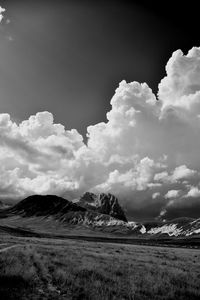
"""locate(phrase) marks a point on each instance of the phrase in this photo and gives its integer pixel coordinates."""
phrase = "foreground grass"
(82, 270)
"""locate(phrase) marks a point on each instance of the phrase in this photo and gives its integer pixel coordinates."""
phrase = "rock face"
(106, 204)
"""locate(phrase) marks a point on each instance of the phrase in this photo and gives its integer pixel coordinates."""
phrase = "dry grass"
(82, 270)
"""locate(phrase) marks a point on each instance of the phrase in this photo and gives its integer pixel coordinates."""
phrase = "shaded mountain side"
(103, 203)
(39, 205)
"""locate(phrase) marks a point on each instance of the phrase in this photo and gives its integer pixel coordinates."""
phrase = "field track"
(7, 248)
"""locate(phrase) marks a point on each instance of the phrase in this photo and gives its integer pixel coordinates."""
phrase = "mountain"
(44, 205)
(174, 228)
(106, 204)
(97, 212)
(60, 209)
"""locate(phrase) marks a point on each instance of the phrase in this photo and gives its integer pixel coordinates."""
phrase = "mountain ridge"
(86, 213)
(60, 209)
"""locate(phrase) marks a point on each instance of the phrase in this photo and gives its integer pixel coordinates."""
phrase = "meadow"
(70, 269)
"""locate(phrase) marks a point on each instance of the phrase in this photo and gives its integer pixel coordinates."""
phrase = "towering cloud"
(147, 152)
(181, 87)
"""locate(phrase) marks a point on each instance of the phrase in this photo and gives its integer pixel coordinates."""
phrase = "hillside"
(39, 205)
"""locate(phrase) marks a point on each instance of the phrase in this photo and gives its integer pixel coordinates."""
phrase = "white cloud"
(132, 104)
(147, 147)
(179, 173)
(182, 172)
(2, 10)
(172, 194)
(162, 176)
(181, 87)
(193, 192)
(155, 195)
(42, 152)
(135, 179)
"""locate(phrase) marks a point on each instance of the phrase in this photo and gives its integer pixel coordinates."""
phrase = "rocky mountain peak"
(88, 197)
(103, 203)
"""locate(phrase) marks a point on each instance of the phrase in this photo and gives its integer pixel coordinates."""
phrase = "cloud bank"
(147, 153)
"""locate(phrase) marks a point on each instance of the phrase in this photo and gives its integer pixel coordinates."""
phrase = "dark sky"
(68, 57)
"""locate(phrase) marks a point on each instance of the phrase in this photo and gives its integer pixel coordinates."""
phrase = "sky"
(104, 97)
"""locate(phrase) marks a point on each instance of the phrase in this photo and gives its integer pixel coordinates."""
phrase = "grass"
(88, 270)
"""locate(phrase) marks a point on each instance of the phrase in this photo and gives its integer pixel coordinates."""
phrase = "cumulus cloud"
(2, 10)
(181, 87)
(147, 152)
(155, 195)
(172, 194)
(193, 192)
(182, 172)
(179, 174)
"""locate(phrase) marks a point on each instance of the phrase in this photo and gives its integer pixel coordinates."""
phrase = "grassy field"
(58, 269)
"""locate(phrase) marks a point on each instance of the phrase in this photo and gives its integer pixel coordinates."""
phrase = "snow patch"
(143, 229)
(170, 229)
